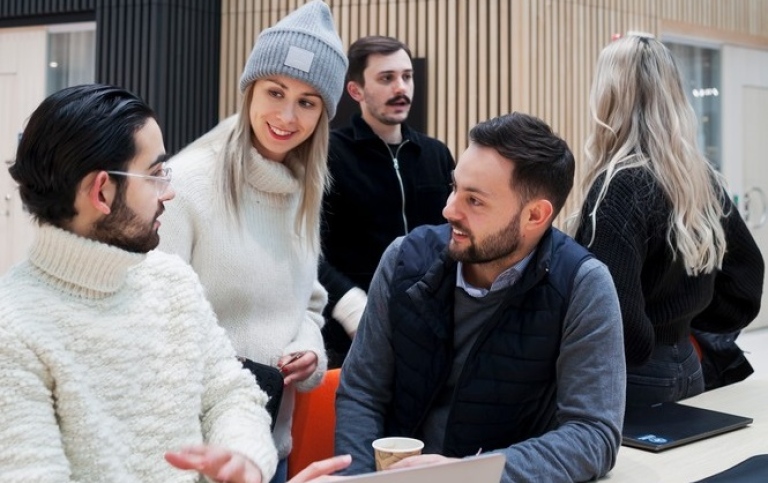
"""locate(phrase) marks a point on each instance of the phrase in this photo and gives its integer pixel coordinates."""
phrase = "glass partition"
(71, 56)
(700, 68)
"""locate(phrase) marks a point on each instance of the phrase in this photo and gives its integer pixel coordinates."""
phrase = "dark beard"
(125, 230)
(495, 247)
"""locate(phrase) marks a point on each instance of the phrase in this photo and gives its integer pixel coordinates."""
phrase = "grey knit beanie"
(303, 45)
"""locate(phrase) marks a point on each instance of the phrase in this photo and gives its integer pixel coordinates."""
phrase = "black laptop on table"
(668, 425)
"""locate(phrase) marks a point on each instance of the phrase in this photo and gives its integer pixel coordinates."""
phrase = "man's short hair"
(543, 165)
(73, 132)
(364, 47)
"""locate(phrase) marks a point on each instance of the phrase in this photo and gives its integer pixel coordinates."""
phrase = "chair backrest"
(314, 423)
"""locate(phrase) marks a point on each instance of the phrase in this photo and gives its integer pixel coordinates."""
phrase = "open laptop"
(667, 425)
(485, 468)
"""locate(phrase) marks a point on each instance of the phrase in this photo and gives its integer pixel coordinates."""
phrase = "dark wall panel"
(19, 13)
(166, 51)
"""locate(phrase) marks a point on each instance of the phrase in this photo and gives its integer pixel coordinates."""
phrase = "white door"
(22, 88)
(755, 165)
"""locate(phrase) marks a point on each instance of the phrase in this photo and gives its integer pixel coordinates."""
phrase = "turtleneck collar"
(273, 177)
(79, 265)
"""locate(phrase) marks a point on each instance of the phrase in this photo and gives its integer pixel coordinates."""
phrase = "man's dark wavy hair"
(73, 132)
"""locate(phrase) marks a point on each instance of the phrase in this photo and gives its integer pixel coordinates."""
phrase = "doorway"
(34, 62)
(22, 87)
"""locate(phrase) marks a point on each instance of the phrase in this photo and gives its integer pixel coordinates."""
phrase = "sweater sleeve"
(739, 283)
(309, 337)
(366, 382)
(591, 381)
(621, 243)
(340, 286)
(29, 420)
(233, 410)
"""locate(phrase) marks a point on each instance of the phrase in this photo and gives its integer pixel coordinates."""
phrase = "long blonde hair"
(312, 154)
(642, 119)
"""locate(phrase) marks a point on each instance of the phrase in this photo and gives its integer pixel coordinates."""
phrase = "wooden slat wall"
(486, 58)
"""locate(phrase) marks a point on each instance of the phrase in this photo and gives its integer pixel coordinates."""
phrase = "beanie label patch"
(299, 58)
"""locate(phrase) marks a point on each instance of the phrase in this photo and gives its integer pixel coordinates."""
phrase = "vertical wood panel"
(455, 70)
(503, 34)
(494, 61)
(438, 67)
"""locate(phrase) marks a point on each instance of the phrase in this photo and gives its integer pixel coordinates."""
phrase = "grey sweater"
(591, 378)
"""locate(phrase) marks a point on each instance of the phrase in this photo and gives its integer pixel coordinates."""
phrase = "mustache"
(399, 98)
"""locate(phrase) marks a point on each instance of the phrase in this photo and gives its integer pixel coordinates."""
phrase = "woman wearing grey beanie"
(248, 204)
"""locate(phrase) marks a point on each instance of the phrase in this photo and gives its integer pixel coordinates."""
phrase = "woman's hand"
(298, 366)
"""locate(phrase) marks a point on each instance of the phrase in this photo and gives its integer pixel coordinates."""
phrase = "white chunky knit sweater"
(109, 359)
(259, 276)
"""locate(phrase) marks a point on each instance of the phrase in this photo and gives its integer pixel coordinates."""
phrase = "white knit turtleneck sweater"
(259, 276)
(109, 359)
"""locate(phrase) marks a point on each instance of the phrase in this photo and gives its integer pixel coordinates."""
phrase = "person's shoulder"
(201, 155)
(423, 139)
(16, 282)
(427, 240)
(430, 141)
(169, 273)
(342, 134)
(170, 264)
(431, 148)
(631, 191)
(341, 143)
(25, 301)
(634, 180)
(194, 173)
(594, 268)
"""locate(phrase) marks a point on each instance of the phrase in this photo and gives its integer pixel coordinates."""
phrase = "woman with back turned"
(657, 214)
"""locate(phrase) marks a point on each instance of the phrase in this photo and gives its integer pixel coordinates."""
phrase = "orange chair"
(314, 422)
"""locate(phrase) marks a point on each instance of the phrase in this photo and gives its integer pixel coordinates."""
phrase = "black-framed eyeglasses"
(161, 181)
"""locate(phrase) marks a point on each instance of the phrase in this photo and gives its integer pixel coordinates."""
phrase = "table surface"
(704, 458)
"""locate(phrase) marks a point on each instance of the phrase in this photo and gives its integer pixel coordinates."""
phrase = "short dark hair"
(73, 132)
(543, 164)
(364, 47)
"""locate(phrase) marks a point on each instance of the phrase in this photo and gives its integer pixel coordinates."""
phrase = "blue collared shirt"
(507, 278)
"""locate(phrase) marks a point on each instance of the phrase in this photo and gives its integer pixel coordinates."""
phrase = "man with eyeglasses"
(112, 364)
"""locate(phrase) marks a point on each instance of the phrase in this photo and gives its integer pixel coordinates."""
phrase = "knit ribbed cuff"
(349, 310)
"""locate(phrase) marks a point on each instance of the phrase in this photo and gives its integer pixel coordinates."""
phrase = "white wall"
(741, 67)
(745, 141)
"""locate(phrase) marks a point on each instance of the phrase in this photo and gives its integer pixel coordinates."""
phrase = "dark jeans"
(281, 475)
(673, 373)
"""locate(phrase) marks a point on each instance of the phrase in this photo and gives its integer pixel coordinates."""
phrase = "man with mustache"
(386, 179)
(495, 332)
(112, 364)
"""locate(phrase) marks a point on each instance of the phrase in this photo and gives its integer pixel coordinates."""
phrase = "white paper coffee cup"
(388, 451)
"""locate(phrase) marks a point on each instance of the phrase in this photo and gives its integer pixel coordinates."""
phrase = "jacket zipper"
(396, 164)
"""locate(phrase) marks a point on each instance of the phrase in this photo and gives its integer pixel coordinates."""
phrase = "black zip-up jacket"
(378, 192)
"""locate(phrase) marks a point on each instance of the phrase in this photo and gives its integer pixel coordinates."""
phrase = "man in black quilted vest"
(495, 332)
